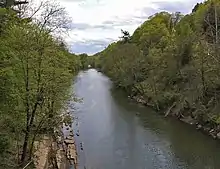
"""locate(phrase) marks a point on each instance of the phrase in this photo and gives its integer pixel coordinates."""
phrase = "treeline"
(36, 71)
(172, 62)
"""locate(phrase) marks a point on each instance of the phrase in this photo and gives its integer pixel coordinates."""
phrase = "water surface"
(116, 133)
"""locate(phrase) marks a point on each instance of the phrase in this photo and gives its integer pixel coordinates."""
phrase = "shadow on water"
(120, 134)
(188, 145)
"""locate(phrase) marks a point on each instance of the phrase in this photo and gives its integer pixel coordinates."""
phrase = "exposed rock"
(69, 137)
(59, 139)
(69, 141)
(211, 131)
(213, 135)
(71, 153)
(71, 134)
(218, 135)
(207, 129)
(199, 126)
(41, 155)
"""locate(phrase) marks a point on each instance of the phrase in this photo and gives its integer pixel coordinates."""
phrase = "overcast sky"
(96, 23)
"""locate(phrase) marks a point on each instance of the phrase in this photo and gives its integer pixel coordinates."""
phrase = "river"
(113, 132)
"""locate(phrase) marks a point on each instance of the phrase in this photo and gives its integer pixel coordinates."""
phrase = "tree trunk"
(26, 138)
(34, 137)
(25, 145)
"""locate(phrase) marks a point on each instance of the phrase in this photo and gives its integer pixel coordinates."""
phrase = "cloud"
(89, 47)
(96, 23)
(179, 6)
(115, 23)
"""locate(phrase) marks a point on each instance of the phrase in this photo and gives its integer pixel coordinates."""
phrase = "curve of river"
(115, 133)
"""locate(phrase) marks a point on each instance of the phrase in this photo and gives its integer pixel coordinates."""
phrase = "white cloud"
(102, 20)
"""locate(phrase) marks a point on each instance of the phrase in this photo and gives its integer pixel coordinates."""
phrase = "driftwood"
(169, 110)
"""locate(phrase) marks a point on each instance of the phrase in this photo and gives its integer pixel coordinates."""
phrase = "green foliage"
(35, 77)
(170, 59)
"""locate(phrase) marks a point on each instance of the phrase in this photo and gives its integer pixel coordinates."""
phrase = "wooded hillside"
(172, 61)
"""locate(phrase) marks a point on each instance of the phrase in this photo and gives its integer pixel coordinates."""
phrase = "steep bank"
(57, 149)
(211, 129)
(171, 63)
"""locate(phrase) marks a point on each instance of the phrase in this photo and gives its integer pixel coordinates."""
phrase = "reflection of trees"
(186, 144)
(125, 132)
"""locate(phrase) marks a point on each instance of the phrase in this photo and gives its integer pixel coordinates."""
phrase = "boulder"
(199, 126)
(218, 135)
(211, 131)
(71, 134)
(69, 137)
(69, 141)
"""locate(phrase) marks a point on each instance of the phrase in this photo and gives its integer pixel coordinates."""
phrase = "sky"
(97, 23)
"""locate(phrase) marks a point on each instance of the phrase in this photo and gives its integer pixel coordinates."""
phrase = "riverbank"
(211, 129)
(57, 149)
(118, 133)
(185, 114)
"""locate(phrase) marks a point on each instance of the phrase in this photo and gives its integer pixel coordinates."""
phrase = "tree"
(35, 77)
(125, 36)
(170, 61)
(11, 3)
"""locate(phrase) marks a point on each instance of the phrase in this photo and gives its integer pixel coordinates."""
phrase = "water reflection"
(119, 134)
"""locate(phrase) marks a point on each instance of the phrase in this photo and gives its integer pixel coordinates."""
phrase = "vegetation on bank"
(36, 71)
(172, 63)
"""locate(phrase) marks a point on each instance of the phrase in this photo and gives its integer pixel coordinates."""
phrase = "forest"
(36, 72)
(171, 63)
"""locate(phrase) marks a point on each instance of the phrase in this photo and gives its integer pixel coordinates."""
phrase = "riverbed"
(112, 132)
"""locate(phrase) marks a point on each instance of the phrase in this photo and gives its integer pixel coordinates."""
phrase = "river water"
(113, 132)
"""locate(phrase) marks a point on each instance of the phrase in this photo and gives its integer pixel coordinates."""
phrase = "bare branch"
(36, 10)
(53, 18)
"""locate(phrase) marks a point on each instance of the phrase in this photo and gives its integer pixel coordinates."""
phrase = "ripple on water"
(118, 134)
